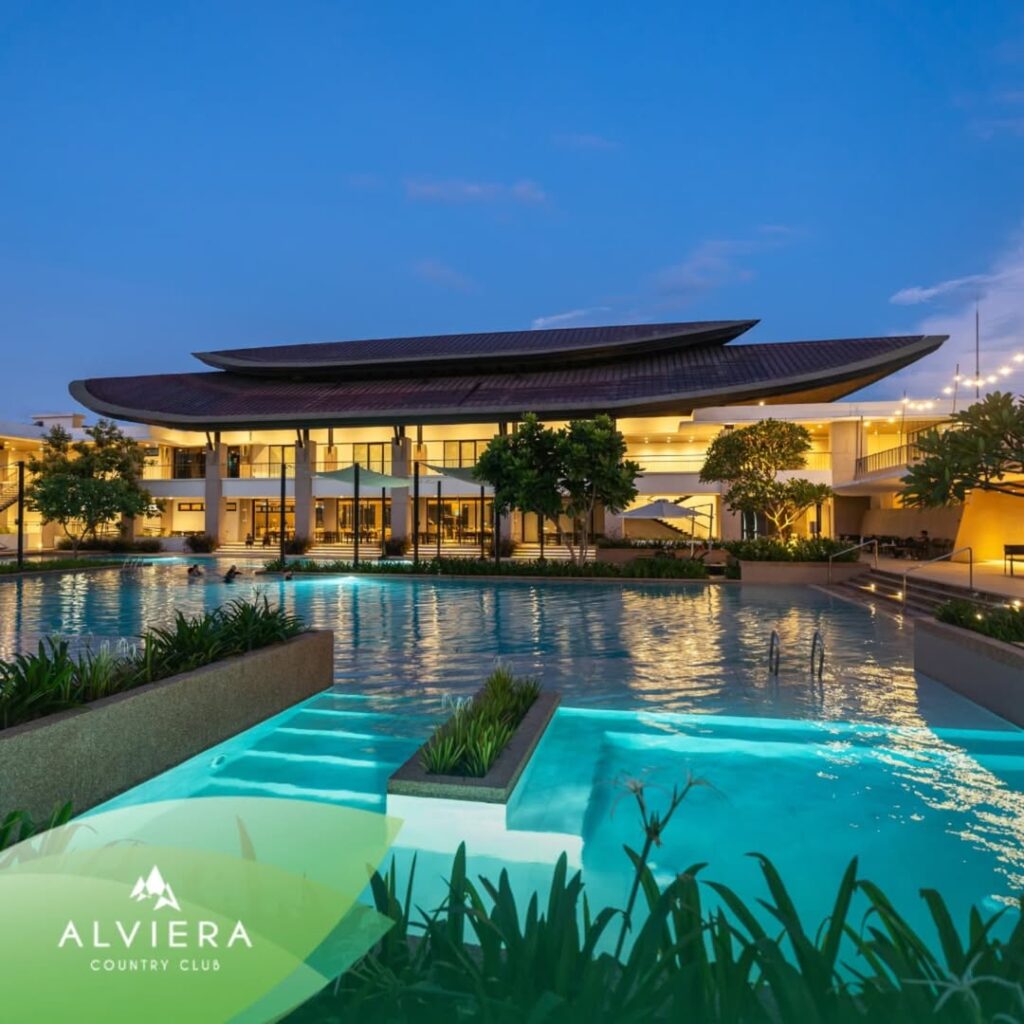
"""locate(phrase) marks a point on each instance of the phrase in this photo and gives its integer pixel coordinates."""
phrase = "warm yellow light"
(761, 402)
(1004, 370)
(899, 595)
(889, 420)
(1018, 357)
(947, 391)
(992, 378)
(906, 401)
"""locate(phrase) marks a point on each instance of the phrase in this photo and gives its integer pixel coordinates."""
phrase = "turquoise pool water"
(657, 683)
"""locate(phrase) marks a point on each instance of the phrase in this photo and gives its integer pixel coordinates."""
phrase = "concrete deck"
(988, 576)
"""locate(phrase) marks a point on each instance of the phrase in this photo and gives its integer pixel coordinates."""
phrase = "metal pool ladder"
(817, 655)
(774, 650)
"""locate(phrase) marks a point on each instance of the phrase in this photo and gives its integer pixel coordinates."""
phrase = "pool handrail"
(818, 648)
(853, 547)
(774, 650)
(949, 555)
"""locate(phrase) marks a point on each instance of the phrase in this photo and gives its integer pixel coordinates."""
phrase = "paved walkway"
(988, 576)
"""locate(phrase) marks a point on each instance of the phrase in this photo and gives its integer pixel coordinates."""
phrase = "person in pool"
(194, 571)
(231, 574)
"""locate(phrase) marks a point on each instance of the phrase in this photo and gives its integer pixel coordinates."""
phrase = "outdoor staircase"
(8, 495)
(552, 553)
(922, 597)
(682, 534)
(339, 748)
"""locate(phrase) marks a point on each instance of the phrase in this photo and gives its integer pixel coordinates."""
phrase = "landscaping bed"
(85, 728)
(647, 568)
(804, 560)
(972, 651)
(480, 752)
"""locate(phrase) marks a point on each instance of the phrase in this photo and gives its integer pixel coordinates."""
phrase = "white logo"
(155, 886)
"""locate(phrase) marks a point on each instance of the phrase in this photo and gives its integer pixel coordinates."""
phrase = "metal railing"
(774, 653)
(817, 651)
(846, 551)
(902, 596)
(888, 458)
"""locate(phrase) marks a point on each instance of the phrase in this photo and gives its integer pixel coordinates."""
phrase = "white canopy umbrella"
(661, 509)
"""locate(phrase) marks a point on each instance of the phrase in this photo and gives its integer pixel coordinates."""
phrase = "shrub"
(483, 955)
(650, 568)
(1005, 624)
(479, 730)
(396, 547)
(57, 564)
(18, 826)
(52, 680)
(802, 549)
(114, 545)
(201, 543)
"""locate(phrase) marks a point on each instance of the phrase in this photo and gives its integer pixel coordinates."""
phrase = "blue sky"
(181, 176)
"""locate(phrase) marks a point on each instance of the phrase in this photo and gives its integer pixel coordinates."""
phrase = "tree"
(545, 471)
(83, 485)
(523, 469)
(749, 460)
(593, 468)
(982, 449)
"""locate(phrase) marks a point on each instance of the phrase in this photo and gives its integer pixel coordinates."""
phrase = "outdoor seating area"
(920, 548)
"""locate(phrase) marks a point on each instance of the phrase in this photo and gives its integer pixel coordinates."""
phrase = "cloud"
(999, 292)
(442, 275)
(584, 140)
(717, 262)
(571, 317)
(990, 127)
(527, 192)
(917, 294)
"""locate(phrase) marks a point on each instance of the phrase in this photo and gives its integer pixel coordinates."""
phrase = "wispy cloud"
(584, 140)
(990, 127)
(438, 273)
(572, 317)
(527, 192)
(999, 292)
(717, 262)
(916, 294)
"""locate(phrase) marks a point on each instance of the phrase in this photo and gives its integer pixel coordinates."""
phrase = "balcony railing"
(889, 458)
(693, 462)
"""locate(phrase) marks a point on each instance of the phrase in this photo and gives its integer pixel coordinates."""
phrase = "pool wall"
(89, 754)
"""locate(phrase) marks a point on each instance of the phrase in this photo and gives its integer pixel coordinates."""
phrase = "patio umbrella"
(661, 509)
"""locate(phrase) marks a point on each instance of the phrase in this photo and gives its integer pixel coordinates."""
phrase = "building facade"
(268, 437)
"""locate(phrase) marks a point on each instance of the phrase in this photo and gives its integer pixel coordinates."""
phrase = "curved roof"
(650, 384)
(440, 353)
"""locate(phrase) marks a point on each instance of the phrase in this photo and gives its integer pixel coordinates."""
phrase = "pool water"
(658, 684)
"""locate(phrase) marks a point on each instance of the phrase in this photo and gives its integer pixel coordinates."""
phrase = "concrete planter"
(989, 672)
(89, 754)
(800, 572)
(622, 556)
(497, 785)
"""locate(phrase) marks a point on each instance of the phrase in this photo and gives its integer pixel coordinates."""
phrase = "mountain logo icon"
(154, 887)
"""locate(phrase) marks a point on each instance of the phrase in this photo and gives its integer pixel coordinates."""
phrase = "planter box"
(622, 556)
(497, 785)
(989, 672)
(89, 754)
(800, 572)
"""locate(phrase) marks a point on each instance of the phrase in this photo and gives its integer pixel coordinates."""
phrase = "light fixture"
(947, 391)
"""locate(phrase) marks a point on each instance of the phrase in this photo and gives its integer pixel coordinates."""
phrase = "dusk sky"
(185, 176)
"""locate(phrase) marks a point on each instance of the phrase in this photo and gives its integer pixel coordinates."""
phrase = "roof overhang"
(513, 395)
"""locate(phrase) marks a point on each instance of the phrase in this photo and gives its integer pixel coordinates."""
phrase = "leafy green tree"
(982, 449)
(748, 461)
(523, 469)
(593, 469)
(538, 469)
(83, 485)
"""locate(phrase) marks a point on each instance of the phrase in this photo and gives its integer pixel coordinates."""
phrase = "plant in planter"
(800, 549)
(1006, 624)
(479, 730)
(201, 543)
(396, 547)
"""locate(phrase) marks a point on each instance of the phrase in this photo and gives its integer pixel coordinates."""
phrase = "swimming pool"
(657, 682)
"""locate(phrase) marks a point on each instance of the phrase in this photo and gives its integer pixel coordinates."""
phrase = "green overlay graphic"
(214, 909)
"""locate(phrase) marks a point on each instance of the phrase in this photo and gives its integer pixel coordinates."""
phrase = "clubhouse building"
(370, 441)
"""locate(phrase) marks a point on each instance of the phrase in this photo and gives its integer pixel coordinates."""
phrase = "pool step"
(922, 595)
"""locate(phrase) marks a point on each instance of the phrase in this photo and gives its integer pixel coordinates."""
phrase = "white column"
(216, 460)
(305, 504)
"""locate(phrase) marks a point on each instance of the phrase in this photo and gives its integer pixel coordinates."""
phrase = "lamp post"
(355, 513)
(21, 514)
(416, 512)
(281, 520)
